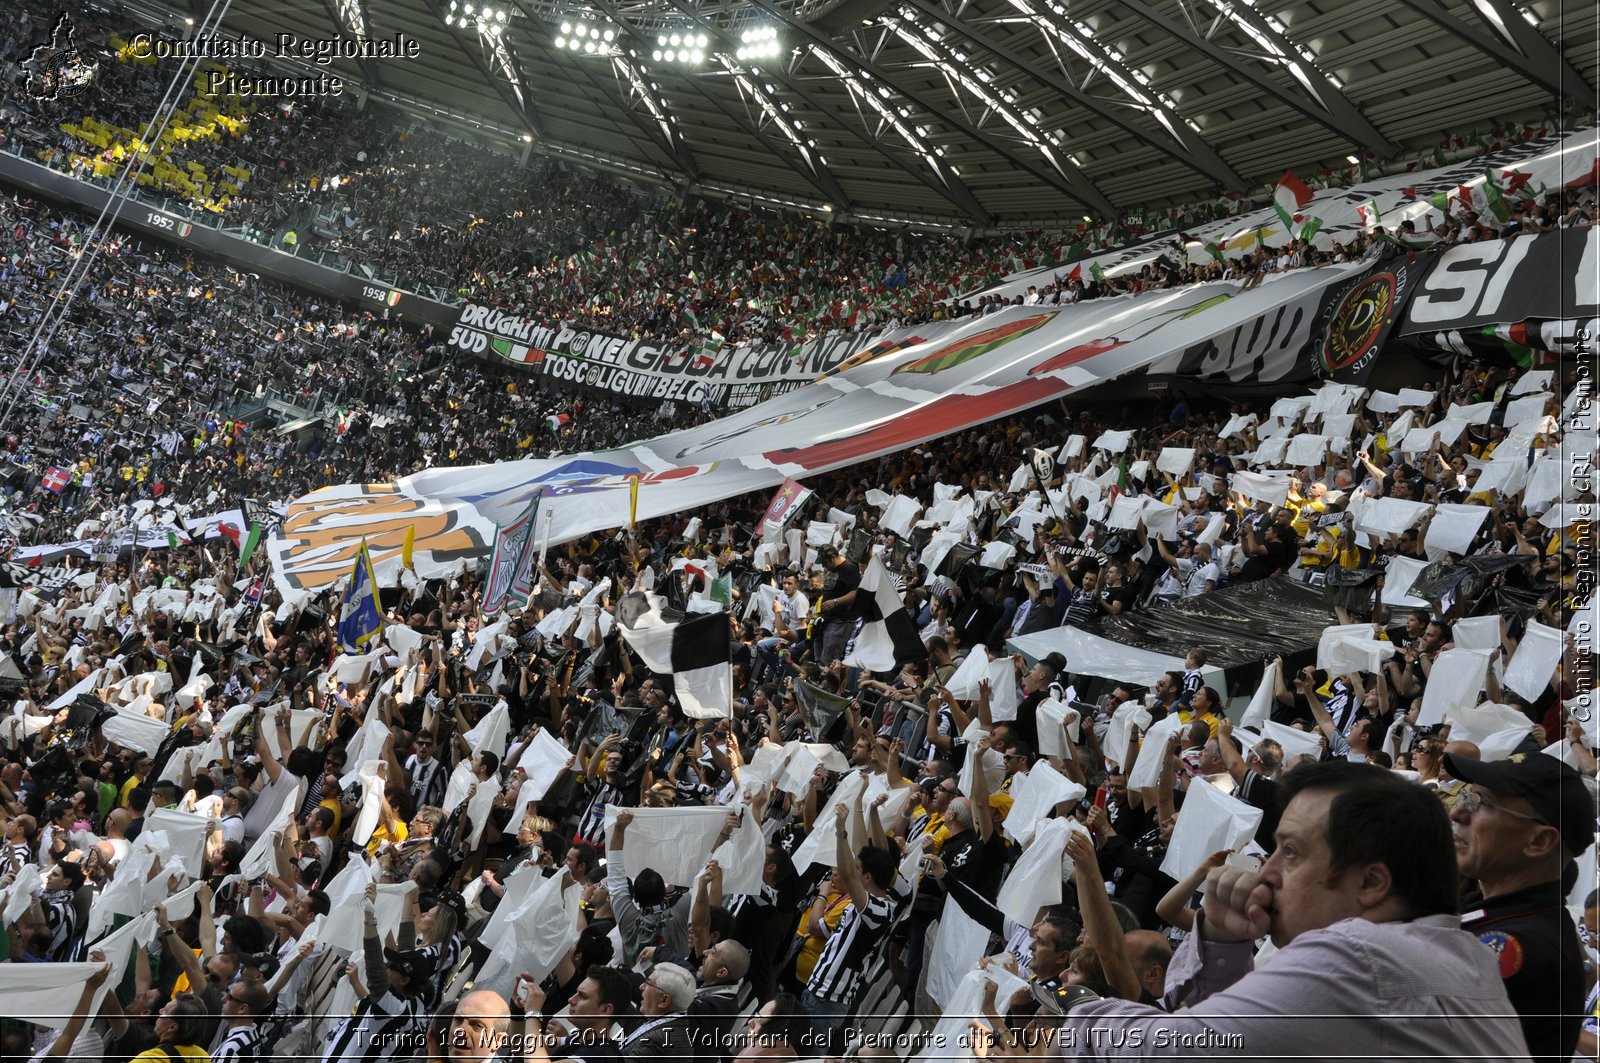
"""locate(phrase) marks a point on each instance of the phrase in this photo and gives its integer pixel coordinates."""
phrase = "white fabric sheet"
(1476, 632)
(490, 733)
(901, 515)
(1126, 716)
(957, 946)
(1210, 820)
(258, 860)
(1035, 880)
(1034, 794)
(1476, 723)
(47, 993)
(1535, 661)
(1260, 487)
(1452, 529)
(1398, 578)
(1455, 680)
(1146, 774)
(1051, 716)
(1391, 516)
(1294, 742)
(1260, 707)
(536, 941)
(674, 841)
(542, 761)
(186, 833)
(1113, 442)
(1175, 460)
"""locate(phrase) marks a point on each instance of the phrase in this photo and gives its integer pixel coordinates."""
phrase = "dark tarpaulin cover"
(1239, 624)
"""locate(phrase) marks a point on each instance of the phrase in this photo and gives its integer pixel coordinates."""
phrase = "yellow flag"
(408, 546)
(633, 500)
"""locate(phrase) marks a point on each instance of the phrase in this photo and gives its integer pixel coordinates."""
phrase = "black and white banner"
(696, 654)
(888, 636)
(1548, 276)
(644, 369)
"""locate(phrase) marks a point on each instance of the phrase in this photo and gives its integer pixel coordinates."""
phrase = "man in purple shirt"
(1359, 899)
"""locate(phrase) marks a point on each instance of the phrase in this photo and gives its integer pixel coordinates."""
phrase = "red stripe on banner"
(938, 418)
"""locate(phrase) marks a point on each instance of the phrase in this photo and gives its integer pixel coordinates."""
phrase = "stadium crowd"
(413, 206)
(408, 854)
(504, 836)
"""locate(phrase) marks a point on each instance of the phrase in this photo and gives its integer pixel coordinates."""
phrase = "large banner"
(732, 377)
(1548, 277)
(1539, 292)
(920, 385)
(1263, 350)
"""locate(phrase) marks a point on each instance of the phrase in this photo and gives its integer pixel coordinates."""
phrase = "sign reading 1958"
(171, 225)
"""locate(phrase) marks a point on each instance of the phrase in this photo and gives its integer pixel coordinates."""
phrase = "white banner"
(963, 373)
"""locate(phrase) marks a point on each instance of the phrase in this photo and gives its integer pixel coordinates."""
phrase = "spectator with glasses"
(1520, 826)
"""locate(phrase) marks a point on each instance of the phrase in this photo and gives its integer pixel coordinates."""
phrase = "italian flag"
(1497, 201)
(512, 351)
(1289, 197)
(1369, 215)
(556, 420)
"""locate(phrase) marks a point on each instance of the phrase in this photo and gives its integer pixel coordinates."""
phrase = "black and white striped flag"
(696, 653)
(888, 637)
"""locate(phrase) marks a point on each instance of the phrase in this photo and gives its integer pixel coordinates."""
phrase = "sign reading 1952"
(171, 225)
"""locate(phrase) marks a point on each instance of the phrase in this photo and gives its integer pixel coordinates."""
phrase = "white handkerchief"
(1175, 460)
(1113, 442)
(1210, 820)
(1534, 662)
(1294, 741)
(1456, 679)
(1035, 793)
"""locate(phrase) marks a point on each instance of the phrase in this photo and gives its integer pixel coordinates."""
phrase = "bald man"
(1150, 953)
(479, 1028)
(117, 824)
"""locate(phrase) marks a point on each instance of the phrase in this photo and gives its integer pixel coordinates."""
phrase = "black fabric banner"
(1543, 277)
(1357, 317)
(1238, 625)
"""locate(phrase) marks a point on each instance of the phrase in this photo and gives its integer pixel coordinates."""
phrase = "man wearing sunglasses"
(1520, 825)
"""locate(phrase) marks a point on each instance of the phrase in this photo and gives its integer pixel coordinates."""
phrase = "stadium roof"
(975, 113)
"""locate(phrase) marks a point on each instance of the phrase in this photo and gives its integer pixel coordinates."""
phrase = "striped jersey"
(837, 975)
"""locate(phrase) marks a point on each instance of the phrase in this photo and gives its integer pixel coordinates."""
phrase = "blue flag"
(360, 622)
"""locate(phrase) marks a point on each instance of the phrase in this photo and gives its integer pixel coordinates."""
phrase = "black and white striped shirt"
(242, 1044)
(379, 1029)
(766, 898)
(61, 915)
(427, 781)
(837, 975)
(591, 826)
(445, 955)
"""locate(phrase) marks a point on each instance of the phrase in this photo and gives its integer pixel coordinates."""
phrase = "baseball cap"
(264, 962)
(1555, 790)
(413, 963)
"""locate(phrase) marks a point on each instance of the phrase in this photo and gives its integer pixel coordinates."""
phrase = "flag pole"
(544, 540)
